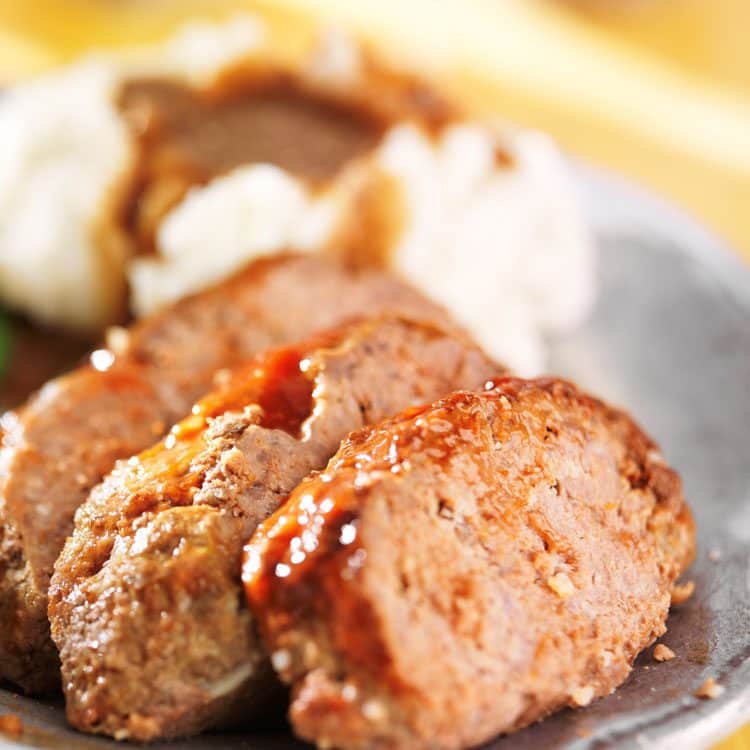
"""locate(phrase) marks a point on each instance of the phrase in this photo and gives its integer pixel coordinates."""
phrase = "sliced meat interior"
(65, 439)
(146, 603)
(466, 568)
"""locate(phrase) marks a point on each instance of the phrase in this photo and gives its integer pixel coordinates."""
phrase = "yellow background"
(656, 89)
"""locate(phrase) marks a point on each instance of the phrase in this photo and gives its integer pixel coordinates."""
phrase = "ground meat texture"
(64, 440)
(464, 569)
(146, 603)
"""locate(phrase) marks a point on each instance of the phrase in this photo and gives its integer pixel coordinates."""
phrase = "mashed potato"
(65, 149)
(505, 248)
(501, 242)
(253, 211)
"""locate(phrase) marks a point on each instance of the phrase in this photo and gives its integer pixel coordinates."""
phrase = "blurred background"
(657, 90)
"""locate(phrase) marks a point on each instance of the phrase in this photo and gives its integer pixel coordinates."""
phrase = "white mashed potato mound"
(253, 211)
(64, 149)
(506, 249)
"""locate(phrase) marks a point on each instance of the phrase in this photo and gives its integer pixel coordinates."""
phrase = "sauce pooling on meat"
(278, 383)
(284, 545)
(275, 382)
(320, 520)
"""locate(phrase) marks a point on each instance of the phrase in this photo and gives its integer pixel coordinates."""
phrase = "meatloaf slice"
(146, 603)
(65, 439)
(465, 568)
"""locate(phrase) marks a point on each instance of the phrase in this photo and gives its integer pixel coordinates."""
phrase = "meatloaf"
(58, 446)
(466, 568)
(146, 603)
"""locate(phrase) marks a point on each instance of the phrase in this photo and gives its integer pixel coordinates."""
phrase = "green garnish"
(5, 343)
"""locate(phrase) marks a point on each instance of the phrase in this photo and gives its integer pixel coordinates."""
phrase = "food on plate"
(11, 724)
(681, 592)
(709, 689)
(662, 652)
(166, 169)
(146, 602)
(314, 237)
(65, 439)
(466, 568)
(69, 166)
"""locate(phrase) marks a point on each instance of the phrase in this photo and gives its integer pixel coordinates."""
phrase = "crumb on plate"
(710, 689)
(663, 653)
(11, 724)
(681, 592)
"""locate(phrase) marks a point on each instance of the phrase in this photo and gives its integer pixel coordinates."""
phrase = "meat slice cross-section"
(470, 567)
(146, 603)
(67, 438)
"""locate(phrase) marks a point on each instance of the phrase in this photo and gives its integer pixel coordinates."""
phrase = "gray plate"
(670, 339)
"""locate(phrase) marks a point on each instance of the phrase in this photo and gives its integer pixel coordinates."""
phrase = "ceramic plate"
(670, 340)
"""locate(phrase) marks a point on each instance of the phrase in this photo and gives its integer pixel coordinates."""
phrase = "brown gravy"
(188, 136)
